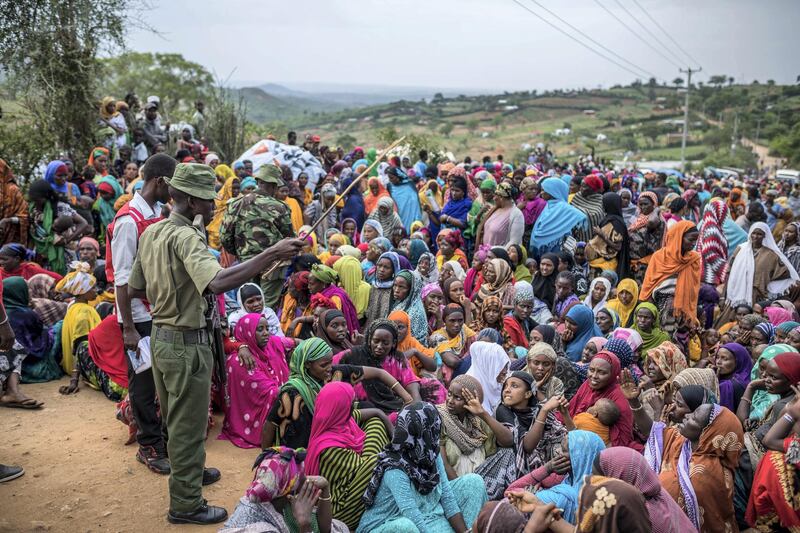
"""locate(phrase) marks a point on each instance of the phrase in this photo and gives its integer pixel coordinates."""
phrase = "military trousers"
(182, 372)
(272, 288)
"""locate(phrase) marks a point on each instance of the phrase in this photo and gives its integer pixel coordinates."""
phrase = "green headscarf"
(307, 351)
(43, 237)
(15, 293)
(372, 155)
(488, 185)
(762, 400)
(325, 274)
(522, 273)
(656, 335)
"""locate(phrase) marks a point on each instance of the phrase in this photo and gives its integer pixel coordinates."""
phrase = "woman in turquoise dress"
(409, 490)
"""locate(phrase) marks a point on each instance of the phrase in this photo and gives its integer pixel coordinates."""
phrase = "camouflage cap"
(195, 180)
(269, 174)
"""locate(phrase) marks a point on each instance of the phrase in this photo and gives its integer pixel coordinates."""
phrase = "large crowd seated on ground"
(462, 345)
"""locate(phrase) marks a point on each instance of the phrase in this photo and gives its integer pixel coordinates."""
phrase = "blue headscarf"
(584, 447)
(249, 181)
(50, 177)
(584, 318)
(353, 204)
(490, 334)
(416, 249)
(395, 259)
(458, 208)
(406, 197)
(734, 234)
(557, 219)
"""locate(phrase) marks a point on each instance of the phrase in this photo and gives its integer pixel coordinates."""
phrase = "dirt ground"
(79, 475)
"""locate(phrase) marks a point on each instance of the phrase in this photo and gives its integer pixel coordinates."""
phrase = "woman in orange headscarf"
(673, 275)
(420, 357)
(375, 191)
(736, 203)
(13, 208)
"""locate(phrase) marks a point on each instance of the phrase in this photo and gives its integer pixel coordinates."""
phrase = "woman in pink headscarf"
(630, 466)
(343, 453)
(778, 315)
(252, 387)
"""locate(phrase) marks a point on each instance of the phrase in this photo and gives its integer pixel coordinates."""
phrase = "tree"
(718, 80)
(497, 121)
(49, 49)
(446, 129)
(177, 81)
(651, 91)
(227, 124)
(730, 81)
(651, 130)
(677, 82)
(472, 125)
(346, 141)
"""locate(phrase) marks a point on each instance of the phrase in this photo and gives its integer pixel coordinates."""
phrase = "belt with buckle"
(192, 336)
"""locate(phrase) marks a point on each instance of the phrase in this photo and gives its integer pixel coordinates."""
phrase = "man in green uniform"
(173, 269)
(256, 221)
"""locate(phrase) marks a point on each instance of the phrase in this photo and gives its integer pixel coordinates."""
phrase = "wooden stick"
(366, 172)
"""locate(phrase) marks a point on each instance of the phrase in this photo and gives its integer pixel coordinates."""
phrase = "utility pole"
(688, 73)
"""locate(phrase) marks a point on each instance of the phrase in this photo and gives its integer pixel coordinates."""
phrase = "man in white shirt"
(133, 314)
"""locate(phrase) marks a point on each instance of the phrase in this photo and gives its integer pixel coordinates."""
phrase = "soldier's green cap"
(195, 180)
(269, 174)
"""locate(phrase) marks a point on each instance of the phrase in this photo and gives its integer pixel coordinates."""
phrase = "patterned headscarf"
(669, 358)
(78, 281)
(307, 351)
(324, 274)
(278, 469)
(768, 330)
(413, 449)
(524, 292)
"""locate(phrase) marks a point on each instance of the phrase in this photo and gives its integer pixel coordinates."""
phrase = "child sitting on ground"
(598, 419)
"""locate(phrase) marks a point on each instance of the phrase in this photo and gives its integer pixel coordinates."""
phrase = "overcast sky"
(473, 44)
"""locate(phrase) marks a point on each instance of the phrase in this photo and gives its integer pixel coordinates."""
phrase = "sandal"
(28, 403)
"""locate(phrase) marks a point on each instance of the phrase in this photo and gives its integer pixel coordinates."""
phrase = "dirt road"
(80, 477)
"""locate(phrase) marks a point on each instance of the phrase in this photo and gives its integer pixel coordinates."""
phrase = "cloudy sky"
(475, 44)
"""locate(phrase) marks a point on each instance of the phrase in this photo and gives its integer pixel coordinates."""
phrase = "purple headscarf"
(741, 374)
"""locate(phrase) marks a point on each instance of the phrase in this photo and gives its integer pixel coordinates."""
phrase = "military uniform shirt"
(174, 267)
(253, 223)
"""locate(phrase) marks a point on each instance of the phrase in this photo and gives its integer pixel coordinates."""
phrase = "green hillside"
(639, 122)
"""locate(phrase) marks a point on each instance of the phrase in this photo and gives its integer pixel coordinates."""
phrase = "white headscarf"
(740, 279)
(458, 270)
(273, 323)
(488, 360)
(602, 303)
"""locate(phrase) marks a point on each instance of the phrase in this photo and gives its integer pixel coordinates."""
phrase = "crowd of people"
(444, 346)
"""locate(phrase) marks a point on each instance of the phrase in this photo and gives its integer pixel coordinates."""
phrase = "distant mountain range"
(273, 101)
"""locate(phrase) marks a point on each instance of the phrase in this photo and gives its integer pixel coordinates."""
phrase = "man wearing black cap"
(173, 270)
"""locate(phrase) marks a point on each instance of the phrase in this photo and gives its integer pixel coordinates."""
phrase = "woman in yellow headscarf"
(81, 317)
(351, 279)
(311, 246)
(625, 302)
(225, 194)
(334, 242)
(437, 196)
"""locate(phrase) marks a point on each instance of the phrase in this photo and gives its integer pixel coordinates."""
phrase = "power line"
(665, 32)
(632, 31)
(665, 47)
(623, 67)
(573, 28)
